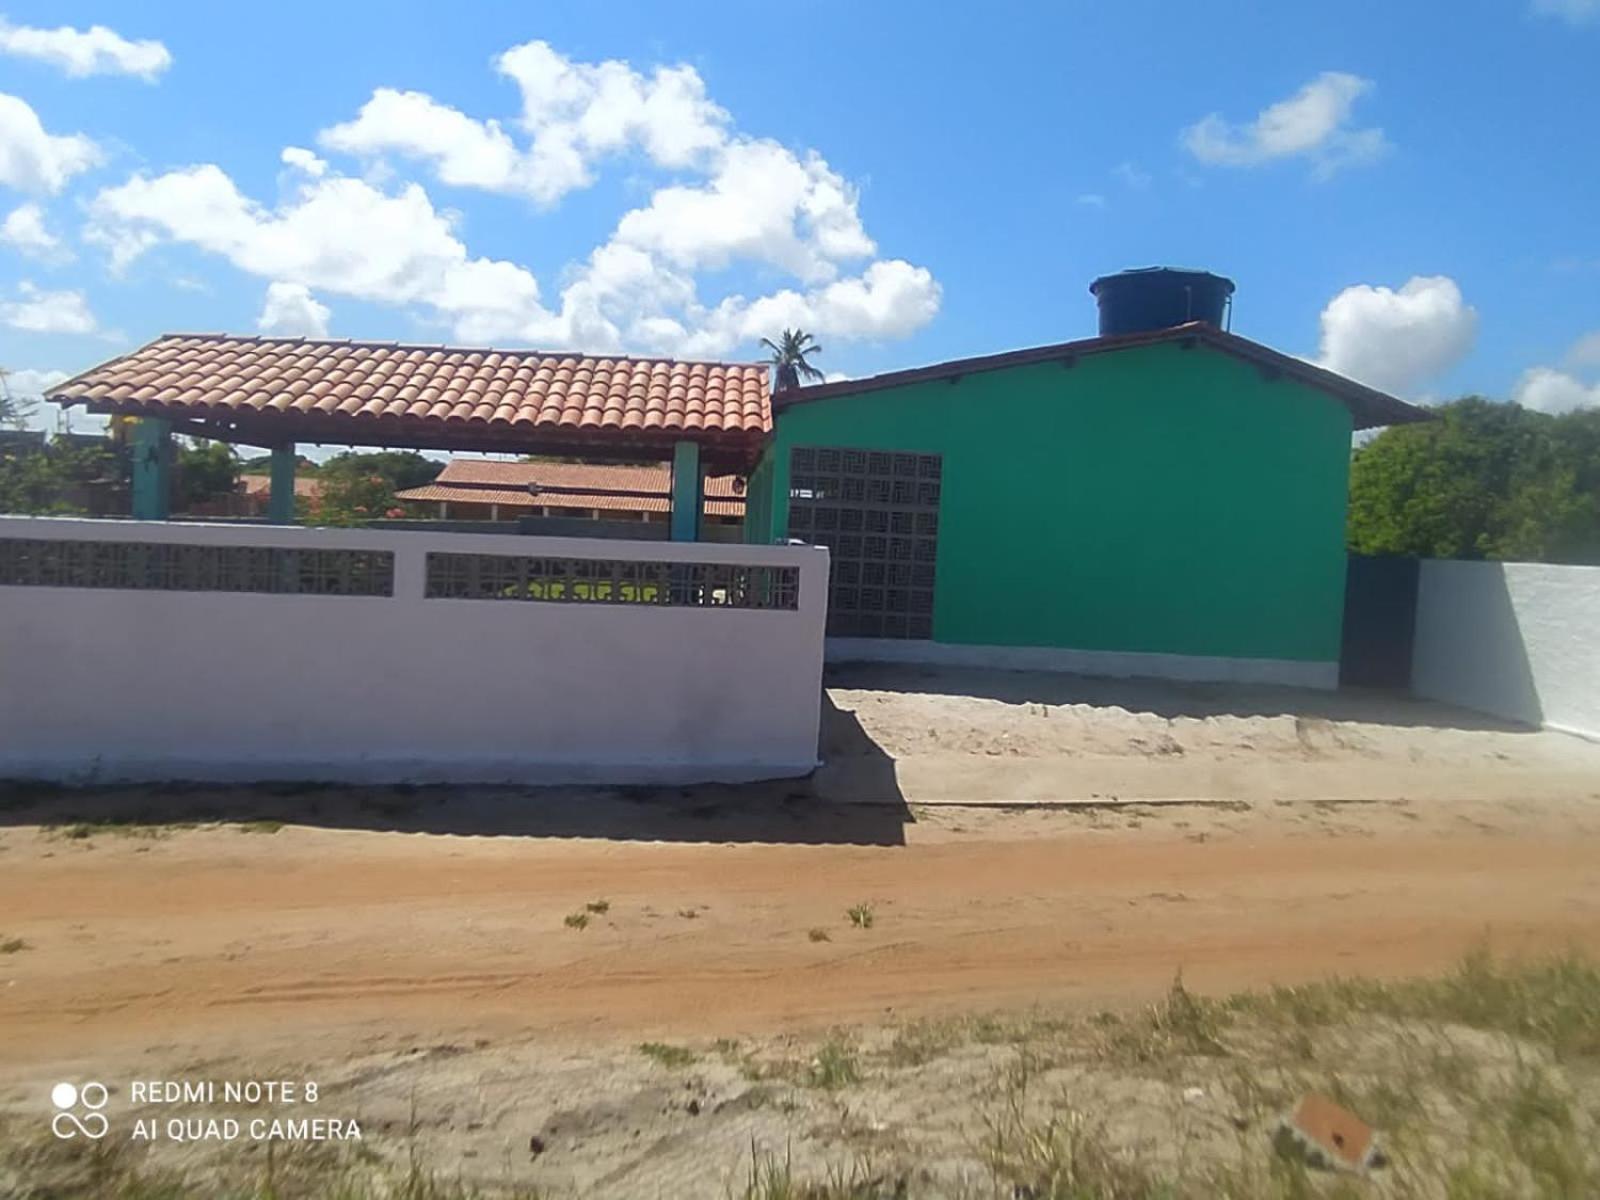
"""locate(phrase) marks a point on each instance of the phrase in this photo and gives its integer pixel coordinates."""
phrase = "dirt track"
(298, 941)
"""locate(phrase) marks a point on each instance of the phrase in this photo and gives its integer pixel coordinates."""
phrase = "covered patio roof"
(274, 391)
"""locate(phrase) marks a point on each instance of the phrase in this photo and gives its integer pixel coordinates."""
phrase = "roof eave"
(1368, 407)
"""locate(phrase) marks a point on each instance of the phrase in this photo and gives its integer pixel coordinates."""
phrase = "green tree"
(788, 357)
(61, 478)
(358, 487)
(204, 470)
(1483, 480)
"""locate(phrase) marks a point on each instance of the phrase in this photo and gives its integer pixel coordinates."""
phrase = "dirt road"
(311, 941)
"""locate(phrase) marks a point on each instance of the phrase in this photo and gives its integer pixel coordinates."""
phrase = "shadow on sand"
(1166, 698)
(784, 811)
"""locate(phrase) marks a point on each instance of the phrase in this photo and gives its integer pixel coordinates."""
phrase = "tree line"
(1481, 480)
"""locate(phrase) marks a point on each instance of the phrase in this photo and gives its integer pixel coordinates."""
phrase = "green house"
(1168, 502)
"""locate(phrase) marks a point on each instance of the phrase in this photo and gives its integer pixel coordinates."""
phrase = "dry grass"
(1484, 1083)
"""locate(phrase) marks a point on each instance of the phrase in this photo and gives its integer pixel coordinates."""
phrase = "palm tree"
(788, 357)
(14, 410)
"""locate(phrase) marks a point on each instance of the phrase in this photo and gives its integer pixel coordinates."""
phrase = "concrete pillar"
(280, 501)
(688, 491)
(152, 469)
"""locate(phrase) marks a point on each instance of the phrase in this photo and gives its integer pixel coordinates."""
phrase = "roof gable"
(1368, 407)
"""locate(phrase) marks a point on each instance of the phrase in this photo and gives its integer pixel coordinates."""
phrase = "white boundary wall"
(101, 684)
(1517, 640)
(1195, 668)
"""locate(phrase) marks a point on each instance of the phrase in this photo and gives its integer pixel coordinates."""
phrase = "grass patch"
(860, 915)
(598, 907)
(834, 1065)
(1181, 1024)
(259, 826)
(668, 1055)
(13, 945)
(773, 1178)
(1553, 1001)
(576, 920)
(818, 934)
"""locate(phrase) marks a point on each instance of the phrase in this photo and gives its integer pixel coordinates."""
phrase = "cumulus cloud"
(30, 383)
(736, 202)
(290, 310)
(1547, 390)
(1577, 12)
(1585, 352)
(301, 159)
(1314, 123)
(1396, 340)
(80, 52)
(572, 115)
(32, 160)
(38, 311)
(763, 204)
(24, 231)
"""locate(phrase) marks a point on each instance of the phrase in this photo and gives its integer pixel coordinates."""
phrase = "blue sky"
(1405, 192)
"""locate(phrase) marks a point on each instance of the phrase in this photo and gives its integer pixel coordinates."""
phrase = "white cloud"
(1578, 12)
(32, 160)
(301, 159)
(1313, 123)
(763, 204)
(1545, 389)
(39, 311)
(79, 52)
(1396, 340)
(335, 234)
(1585, 352)
(572, 114)
(290, 310)
(24, 230)
(30, 383)
(1131, 175)
(1092, 200)
(745, 203)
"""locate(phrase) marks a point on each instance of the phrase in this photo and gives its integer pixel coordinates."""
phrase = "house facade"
(1166, 503)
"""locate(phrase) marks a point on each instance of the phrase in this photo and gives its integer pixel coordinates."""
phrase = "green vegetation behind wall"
(1156, 499)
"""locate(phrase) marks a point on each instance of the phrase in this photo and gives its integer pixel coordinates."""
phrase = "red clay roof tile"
(313, 390)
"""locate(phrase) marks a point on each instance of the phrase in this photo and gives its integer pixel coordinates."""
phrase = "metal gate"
(1380, 616)
(877, 512)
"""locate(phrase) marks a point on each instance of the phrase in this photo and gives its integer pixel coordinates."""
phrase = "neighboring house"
(486, 490)
(1167, 500)
(250, 497)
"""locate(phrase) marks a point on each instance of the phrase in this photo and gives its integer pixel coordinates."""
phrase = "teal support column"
(280, 500)
(688, 490)
(152, 469)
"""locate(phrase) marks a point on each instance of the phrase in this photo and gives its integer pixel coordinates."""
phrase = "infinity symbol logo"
(68, 1124)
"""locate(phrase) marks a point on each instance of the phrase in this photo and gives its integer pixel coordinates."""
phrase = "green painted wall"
(1155, 499)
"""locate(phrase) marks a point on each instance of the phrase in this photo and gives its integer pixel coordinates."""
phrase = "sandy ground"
(392, 943)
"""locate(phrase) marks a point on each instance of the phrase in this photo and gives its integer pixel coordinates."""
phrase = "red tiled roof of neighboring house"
(1368, 406)
(614, 488)
(385, 393)
(261, 485)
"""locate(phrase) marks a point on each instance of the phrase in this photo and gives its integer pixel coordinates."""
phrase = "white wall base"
(1193, 668)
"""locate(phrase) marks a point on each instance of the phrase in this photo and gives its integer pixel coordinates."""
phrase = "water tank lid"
(1228, 288)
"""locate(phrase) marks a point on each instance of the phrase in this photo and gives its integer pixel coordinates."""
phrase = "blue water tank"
(1159, 298)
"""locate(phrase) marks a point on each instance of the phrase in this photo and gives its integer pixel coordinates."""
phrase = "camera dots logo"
(78, 1110)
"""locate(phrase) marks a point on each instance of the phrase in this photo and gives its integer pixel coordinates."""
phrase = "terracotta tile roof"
(261, 485)
(572, 485)
(374, 393)
(1368, 406)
